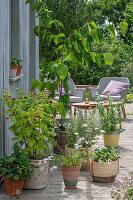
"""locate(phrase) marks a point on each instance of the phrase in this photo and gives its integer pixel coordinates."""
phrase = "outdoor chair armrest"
(92, 92)
(80, 92)
(124, 93)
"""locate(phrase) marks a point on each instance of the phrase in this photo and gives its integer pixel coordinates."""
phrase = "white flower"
(76, 133)
(86, 142)
(84, 125)
(102, 131)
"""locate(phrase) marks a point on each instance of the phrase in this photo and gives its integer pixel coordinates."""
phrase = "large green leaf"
(123, 27)
(93, 24)
(48, 39)
(75, 44)
(37, 30)
(28, 1)
(68, 43)
(84, 42)
(100, 33)
(62, 71)
(98, 59)
(96, 37)
(108, 58)
(111, 29)
(16, 176)
(93, 56)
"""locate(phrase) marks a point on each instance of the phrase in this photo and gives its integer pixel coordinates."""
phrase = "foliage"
(122, 190)
(110, 117)
(16, 166)
(32, 117)
(104, 154)
(15, 61)
(129, 97)
(72, 159)
(82, 131)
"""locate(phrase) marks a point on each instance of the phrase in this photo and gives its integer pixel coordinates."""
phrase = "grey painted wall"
(17, 38)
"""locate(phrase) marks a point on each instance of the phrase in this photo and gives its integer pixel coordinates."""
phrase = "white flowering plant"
(81, 130)
(105, 154)
(122, 190)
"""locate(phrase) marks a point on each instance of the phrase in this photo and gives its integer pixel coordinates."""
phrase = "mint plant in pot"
(13, 67)
(14, 170)
(111, 120)
(104, 164)
(83, 131)
(33, 117)
(70, 165)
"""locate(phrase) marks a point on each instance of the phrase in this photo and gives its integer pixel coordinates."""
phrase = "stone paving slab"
(86, 188)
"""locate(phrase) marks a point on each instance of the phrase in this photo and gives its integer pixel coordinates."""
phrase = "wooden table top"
(92, 104)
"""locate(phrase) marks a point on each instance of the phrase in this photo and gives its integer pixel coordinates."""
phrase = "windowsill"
(16, 78)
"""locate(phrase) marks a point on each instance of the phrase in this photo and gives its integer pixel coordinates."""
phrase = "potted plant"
(15, 169)
(122, 189)
(70, 165)
(13, 67)
(82, 131)
(19, 66)
(104, 164)
(33, 117)
(111, 120)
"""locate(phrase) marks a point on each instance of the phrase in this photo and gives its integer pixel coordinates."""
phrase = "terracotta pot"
(13, 71)
(19, 70)
(104, 172)
(70, 175)
(40, 175)
(111, 140)
(13, 187)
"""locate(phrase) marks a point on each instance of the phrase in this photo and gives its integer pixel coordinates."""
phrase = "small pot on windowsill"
(19, 70)
(13, 71)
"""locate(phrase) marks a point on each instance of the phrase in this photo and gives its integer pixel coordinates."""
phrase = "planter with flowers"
(122, 190)
(104, 164)
(13, 67)
(33, 117)
(14, 170)
(111, 120)
(82, 132)
(70, 165)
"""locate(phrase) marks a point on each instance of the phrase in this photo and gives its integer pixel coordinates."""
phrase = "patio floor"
(86, 189)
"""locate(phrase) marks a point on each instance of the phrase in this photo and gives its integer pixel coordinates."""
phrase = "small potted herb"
(104, 164)
(83, 131)
(111, 120)
(123, 189)
(19, 66)
(15, 169)
(13, 67)
(70, 165)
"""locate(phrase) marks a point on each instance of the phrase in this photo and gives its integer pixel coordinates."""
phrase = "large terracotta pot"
(19, 70)
(40, 175)
(111, 140)
(104, 172)
(70, 176)
(13, 71)
(13, 187)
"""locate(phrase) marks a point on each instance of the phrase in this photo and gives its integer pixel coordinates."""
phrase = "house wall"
(17, 39)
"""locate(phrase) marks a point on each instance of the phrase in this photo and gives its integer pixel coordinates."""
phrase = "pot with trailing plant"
(13, 67)
(33, 117)
(70, 165)
(104, 164)
(82, 132)
(111, 120)
(15, 169)
(19, 66)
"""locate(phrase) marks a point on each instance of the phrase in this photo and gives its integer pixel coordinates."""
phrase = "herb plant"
(104, 154)
(13, 62)
(16, 166)
(110, 117)
(82, 131)
(123, 190)
(32, 117)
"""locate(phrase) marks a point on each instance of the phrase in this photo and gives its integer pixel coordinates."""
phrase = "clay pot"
(13, 187)
(70, 175)
(19, 70)
(40, 175)
(13, 71)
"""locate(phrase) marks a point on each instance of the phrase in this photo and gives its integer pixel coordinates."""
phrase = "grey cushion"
(115, 98)
(73, 99)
